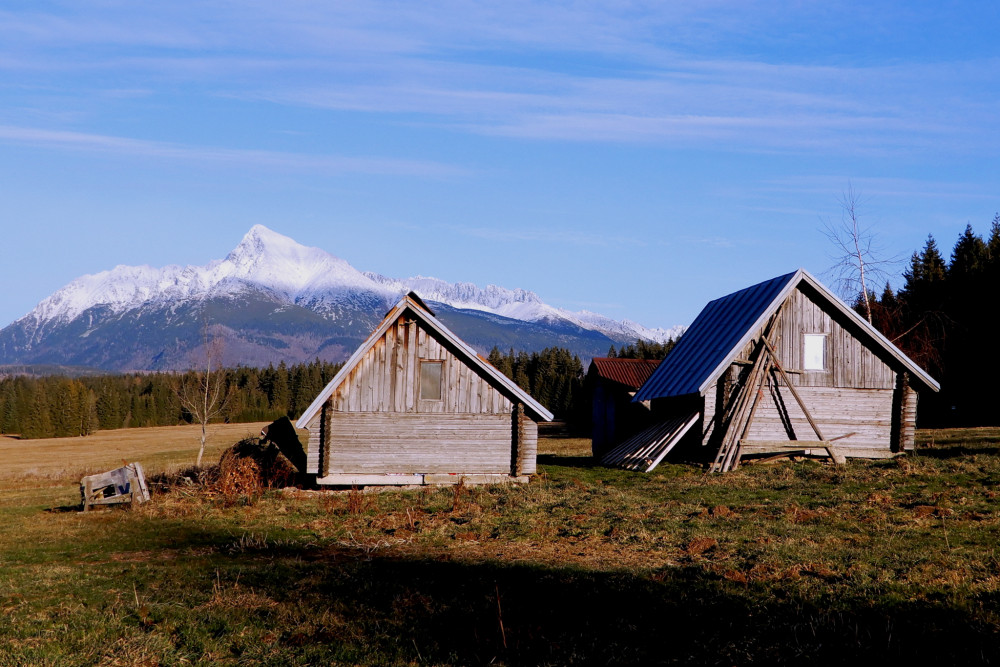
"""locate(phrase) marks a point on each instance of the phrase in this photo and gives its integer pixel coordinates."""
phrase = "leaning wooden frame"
(115, 487)
(742, 406)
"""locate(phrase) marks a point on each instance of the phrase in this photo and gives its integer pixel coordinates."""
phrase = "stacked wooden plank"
(644, 451)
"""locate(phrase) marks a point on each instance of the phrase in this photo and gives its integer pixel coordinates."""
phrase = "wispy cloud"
(720, 104)
(203, 154)
(881, 187)
(710, 75)
(714, 241)
(561, 236)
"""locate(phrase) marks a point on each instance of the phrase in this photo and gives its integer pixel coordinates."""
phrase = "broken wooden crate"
(115, 487)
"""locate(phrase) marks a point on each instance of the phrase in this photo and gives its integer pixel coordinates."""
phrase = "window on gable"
(430, 380)
(814, 352)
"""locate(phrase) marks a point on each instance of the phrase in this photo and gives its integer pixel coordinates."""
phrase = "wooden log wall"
(837, 411)
(411, 443)
(527, 447)
(909, 413)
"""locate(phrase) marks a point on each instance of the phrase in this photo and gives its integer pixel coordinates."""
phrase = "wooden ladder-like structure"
(742, 406)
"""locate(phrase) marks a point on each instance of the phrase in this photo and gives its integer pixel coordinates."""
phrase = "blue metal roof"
(712, 338)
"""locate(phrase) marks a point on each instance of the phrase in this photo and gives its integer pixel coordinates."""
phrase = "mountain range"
(272, 299)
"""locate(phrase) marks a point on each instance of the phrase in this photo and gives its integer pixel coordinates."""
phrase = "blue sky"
(637, 159)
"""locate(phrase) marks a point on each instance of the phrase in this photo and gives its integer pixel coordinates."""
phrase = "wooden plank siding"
(410, 443)
(375, 422)
(527, 447)
(849, 362)
(908, 418)
(387, 379)
(837, 411)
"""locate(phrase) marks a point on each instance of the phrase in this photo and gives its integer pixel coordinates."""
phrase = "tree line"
(53, 406)
(945, 318)
(642, 349)
(553, 377)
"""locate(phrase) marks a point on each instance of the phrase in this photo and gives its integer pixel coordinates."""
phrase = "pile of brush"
(250, 467)
(191, 478)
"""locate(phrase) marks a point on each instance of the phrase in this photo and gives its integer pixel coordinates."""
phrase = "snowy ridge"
(519, 304)
(289, 272)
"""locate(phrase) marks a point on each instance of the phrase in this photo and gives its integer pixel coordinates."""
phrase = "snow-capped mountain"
(277, 300)
(263, 260)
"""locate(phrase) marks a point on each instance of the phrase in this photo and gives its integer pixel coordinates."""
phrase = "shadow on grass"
(482, 613)
(568, 461)
(367, 605)
(62, 509)
(957, 451)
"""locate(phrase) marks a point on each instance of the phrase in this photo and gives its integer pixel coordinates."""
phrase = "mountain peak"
(261, 241)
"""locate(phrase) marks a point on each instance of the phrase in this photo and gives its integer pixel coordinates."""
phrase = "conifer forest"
(944, 317)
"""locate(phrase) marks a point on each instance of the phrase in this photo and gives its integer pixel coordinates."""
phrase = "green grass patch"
(784, 563)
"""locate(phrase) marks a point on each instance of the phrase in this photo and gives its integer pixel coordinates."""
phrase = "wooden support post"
(737, 418)
(88, 494)
(791, 388)
(753, 410)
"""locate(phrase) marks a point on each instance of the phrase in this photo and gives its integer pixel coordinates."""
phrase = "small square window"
(814, 352)
(430, 380)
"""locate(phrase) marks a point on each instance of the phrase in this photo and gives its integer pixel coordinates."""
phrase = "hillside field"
(787, 563)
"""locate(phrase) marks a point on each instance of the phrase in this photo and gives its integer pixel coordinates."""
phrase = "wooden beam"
(737, 421)
(787, 447)
(768, 446)
(784, 376)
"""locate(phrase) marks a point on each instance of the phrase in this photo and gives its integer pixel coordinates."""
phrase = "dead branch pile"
(193, 477)
(248, 468)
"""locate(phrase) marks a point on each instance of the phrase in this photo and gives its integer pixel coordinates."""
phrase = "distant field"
(877, 562)
(156, 448)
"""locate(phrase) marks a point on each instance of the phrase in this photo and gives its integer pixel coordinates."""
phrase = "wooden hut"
(612, 382)
(783, 367)
(416, 405)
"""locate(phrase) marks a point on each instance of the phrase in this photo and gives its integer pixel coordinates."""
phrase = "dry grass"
(159, 449)
(564, 446)
(890, 561)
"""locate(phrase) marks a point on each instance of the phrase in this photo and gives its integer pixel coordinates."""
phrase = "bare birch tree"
(857, 256)
(205, 395)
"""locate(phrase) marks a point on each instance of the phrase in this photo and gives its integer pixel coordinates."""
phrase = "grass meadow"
(784, 563)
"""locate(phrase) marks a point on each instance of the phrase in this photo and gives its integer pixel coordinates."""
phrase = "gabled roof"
(412, 303)
(630, 373)
(727, 324)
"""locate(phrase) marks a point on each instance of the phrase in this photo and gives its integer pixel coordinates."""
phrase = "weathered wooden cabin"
(780, 368)
(612, 382)
(416, 405)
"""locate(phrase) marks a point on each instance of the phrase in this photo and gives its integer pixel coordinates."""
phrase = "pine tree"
(37, 422)
(968, 259)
